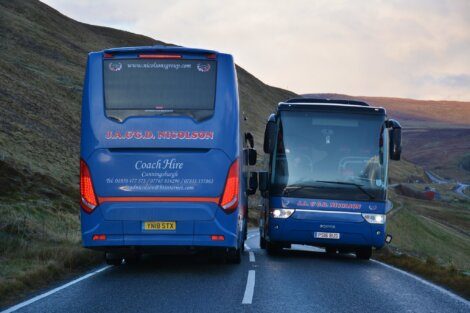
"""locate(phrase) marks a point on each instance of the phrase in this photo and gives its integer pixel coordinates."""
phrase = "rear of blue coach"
(160, 149)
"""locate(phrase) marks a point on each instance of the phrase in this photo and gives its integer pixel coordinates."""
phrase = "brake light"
(229, 201)
(211, 56)
(88, 199)
(159, 56)
(108, 55)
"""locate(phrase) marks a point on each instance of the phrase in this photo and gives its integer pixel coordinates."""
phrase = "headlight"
(282, 213)
(374, 218)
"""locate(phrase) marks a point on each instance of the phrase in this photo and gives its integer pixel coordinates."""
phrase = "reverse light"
(374, 218)
(282, 213)
(229, 200)
(88, 199)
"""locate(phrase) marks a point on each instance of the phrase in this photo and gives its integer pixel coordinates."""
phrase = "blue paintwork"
(317, 215)
(115, 170)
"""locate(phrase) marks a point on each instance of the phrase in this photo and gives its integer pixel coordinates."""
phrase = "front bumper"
(355, 233)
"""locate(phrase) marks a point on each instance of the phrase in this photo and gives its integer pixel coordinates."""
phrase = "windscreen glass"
(330, 156)
(153, 86)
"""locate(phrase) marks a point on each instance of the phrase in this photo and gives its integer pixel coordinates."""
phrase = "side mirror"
(250, 156)
(270, 136)
(252, 183)
(250, 139)
(263, 179)
(395, 139)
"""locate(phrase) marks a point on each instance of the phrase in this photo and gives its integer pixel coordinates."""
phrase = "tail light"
(88, 199)
(229, 201)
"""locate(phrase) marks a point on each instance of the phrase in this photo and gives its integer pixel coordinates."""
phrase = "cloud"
(385, 48)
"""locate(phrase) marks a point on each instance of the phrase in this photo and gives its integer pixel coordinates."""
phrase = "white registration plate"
(327, 235)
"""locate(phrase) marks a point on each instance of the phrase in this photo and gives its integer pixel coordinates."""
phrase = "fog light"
(374, 218)
(282, 213)
(378, 233)
(217, 238)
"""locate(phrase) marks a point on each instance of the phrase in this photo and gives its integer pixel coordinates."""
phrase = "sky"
(413, 49)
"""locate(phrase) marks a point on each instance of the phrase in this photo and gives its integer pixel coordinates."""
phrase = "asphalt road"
(299, 280)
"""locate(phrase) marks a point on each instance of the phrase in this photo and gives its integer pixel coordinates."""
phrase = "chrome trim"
(333, 212)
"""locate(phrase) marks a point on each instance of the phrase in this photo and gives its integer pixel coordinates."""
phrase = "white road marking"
(247, 248)
(427, 283)
(252, 256)
(443, 290)
(250, 288)
(50, 292)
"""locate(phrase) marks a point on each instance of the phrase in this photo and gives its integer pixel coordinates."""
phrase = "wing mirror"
(270, 135)
(250, 153)
(263, 180)
(252, 183)
(395, 139)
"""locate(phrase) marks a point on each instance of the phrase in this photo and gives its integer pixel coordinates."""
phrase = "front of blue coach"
(328, 175)
(161, 163)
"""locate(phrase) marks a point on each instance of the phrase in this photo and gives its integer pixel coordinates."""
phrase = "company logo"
(115, 66)
(203, 67)
(322, 226)
(372, 207)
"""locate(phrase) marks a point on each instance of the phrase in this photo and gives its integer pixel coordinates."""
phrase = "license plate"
(327, 235)
(160, 225)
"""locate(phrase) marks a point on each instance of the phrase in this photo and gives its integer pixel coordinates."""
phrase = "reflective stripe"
(158, 199)
(333, 212)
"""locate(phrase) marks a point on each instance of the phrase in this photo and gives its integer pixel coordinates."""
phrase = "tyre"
(113, 259)
(331, 250)
(234, 256)
(273, 248)
(364, 253)
(132, 259)
(262, 242)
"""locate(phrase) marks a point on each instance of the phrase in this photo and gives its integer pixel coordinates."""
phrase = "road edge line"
(50, 292)
(424, 281)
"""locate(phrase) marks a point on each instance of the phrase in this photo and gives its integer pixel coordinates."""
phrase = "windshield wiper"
(291, 188)
(371, 197)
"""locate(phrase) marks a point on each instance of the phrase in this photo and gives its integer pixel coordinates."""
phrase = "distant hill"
(42, 62)
(416, 113)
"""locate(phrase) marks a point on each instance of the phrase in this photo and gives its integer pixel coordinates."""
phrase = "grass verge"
(448, 276)
(39, 245)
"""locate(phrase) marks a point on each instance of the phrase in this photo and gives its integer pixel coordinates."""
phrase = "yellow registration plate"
(160, 225)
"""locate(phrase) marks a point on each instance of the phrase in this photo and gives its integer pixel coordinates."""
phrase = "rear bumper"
(128, 232)
(356, 233)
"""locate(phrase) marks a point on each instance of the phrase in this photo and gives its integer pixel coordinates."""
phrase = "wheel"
(331, 250)
(273, 248)
(132, 259)
(113, 259)
(234, 256)
(364, 253)
(262, 242)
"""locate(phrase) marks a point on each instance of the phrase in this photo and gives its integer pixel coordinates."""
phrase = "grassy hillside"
(42, 61)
